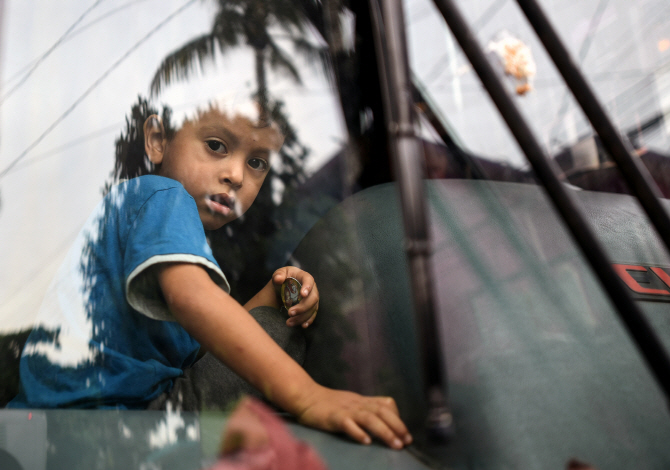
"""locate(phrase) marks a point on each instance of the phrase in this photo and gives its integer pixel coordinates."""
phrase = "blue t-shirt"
(104, 336)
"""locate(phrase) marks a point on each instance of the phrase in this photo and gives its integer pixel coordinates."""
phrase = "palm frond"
(279, 61)
(180, 64)
(313, 53)
(286, 13)
(228, 26)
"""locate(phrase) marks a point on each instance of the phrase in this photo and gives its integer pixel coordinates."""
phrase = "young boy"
(140, 291)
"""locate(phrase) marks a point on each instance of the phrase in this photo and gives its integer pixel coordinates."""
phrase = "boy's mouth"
(221, 203)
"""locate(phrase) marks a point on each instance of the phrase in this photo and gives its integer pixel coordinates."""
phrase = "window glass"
(621, 48)
(539, 367)
(70, 77)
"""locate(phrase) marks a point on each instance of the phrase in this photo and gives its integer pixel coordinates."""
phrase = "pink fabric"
(263, 442)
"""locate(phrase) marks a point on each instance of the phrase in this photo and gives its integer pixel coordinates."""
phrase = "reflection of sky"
(165, 431)
(623, 57)
(49, 194)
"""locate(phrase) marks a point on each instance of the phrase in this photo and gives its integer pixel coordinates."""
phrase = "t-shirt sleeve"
(167, 228)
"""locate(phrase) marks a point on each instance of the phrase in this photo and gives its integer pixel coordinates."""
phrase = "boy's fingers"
(298, 315)
(310, 321)
(307, 285)
(305, 319)
(311, 299)
(293, 321)
(305, 306)
(390, 402)
(302, 318)
(388, 411)
(306, 281)
(396, 425)
(279, 276)
(378, 427)
(350, 427)
(307, 288)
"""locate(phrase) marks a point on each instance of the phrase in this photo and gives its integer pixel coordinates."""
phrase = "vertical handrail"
(389, 33)
(636, 175)
(631, 316)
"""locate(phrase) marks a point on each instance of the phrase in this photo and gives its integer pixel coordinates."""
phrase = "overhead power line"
(48, 52)
(72, 35)
(73, 143)
(94, 86)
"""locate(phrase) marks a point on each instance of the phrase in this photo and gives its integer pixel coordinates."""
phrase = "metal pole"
(407, 164)
(636, 175)
(629, 313)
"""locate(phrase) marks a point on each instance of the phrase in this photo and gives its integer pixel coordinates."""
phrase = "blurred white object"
(516, 59)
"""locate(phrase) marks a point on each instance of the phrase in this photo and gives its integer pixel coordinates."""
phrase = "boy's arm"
(226, 329)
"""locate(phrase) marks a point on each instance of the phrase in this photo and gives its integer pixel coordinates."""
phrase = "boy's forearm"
(266, 297)
(226, 330)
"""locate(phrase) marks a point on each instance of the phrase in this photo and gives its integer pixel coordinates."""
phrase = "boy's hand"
(353, 414)
(304, 312)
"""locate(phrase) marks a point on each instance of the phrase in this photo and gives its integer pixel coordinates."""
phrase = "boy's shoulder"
(130, 196)
(148, 184)
(142, 188)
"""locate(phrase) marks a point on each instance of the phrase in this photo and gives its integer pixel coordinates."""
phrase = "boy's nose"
(233, 172)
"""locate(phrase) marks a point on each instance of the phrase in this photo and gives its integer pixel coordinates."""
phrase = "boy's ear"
(154, 139)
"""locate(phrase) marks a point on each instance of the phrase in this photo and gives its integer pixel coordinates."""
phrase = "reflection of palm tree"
(11, 347)
(251, 22)
(258, 24)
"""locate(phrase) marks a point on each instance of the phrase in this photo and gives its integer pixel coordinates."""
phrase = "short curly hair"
(131, 159)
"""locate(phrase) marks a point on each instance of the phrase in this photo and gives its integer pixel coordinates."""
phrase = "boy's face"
(221, 161)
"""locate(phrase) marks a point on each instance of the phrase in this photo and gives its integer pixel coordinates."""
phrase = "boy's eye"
(258, 164)
(217, 146)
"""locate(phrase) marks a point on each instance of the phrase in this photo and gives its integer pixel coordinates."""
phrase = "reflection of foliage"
(112, 439)
(11, 346)
(256, 23)
(131, 159)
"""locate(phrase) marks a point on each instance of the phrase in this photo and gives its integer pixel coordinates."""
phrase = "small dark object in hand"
(290, 292)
